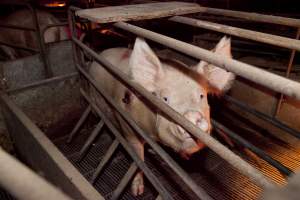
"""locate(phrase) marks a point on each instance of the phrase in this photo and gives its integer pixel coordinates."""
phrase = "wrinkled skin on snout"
(183, 91)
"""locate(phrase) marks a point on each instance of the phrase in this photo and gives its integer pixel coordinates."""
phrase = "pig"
(169, 81)
(28, 38)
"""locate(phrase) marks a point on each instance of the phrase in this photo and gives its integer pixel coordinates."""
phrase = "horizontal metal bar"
(25, 184)
(172, 164)
(53, 25)
(41, 83)
(281, 168)
(11, 26)
(262, 116)
(82, 119)
(240, 32)
(124, 182)
(252, 16)
(111, 150)
(90, 140)
(20, 47)
(213, 144)
(140, 163)
(275, 82)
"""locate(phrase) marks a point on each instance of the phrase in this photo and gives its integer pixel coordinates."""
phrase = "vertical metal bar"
(111, 150)
(289, 69)
(79, 123)
(125, 180)
(41, 41)
(90, 140)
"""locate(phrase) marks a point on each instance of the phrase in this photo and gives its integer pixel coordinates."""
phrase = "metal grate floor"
(211, 172)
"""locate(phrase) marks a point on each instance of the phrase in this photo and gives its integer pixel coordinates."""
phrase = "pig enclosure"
(56, 107)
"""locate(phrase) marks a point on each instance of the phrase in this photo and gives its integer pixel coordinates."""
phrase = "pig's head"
(182, 91)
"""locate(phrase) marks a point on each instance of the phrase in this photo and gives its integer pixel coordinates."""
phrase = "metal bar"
(240, 32)
(275, 82)
(213, 144)
(289, 69)
(79, 123)
(41, 83)
(281, 168)
(41, 42)
(11, 26)
(111, 150)
(53, 25)
(140, 163)
(90, 140)
(124, 182)
(262, 116)
(252, 16)
(27, 184)
(20, 47)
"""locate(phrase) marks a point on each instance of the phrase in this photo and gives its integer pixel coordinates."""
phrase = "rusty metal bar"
(124, 182)
(41, 83)
(262, 116)
(281, 168)
(140, 163)
(252, 16)
(275, 82)
(82, 119)
(90, 140)
(111, 150)
(20, 47)
(41, 42)
(289, 69)
(240, 32)
(213, 144)
(26, 184)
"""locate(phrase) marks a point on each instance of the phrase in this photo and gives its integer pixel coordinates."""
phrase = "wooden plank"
(137, 11)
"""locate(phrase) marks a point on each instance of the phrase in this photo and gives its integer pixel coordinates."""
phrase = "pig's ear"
(146, 69)
(219, 80)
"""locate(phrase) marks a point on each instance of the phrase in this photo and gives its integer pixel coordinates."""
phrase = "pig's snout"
(198, 119)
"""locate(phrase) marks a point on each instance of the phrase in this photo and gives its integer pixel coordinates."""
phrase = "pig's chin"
(189, 147)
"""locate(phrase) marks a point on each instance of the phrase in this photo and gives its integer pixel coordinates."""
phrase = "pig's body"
(28, 38)
(169, 81)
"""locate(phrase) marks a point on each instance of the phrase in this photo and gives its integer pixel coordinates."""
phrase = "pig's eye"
(201, 96)
(166, 99)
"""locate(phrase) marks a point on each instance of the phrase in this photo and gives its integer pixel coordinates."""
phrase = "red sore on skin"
(125, 55)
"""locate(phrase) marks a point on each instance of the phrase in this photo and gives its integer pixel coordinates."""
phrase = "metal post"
(25, 184)
(289, 68)
(275, 82)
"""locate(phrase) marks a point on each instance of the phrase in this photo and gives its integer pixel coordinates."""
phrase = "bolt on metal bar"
(140, 163)
(124, 182)
(240, 32)
(27, 184)
(111, 150)
(213, 144)
(289, 69)
(252, 16)
(172, 164)
(275, 82)
(262, 116)
(90, 140)
(281, 168)
(82, 119)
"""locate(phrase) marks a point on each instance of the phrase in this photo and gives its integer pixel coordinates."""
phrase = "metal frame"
(39, 35)
(257, 75)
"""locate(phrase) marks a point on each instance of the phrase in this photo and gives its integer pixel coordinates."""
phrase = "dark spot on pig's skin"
(127, 97)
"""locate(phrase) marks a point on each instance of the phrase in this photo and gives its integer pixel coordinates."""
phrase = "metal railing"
(267, 79)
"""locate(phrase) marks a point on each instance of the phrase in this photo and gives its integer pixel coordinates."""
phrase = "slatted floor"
(212, 173)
